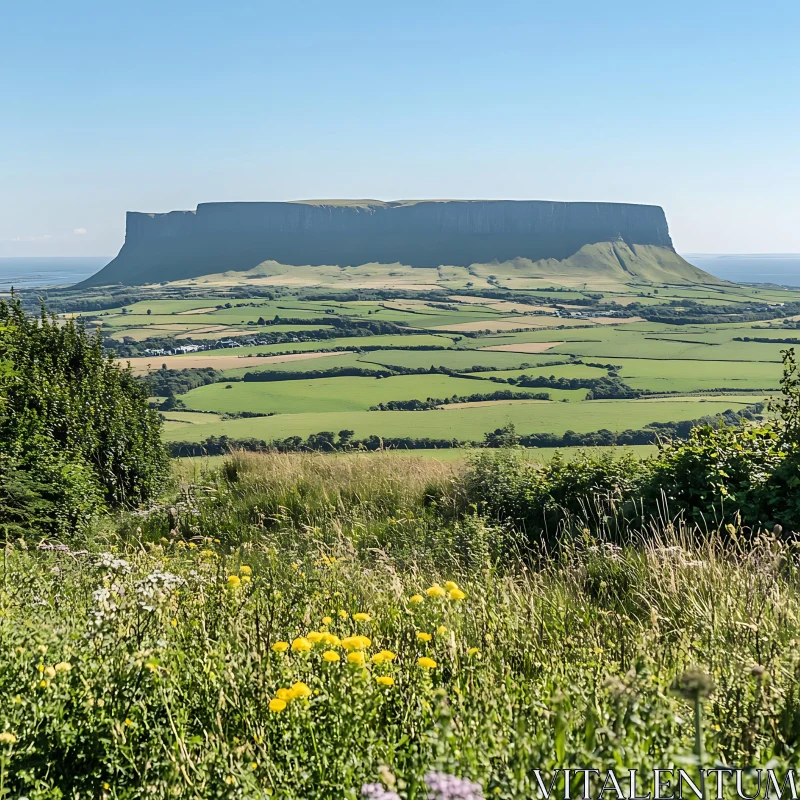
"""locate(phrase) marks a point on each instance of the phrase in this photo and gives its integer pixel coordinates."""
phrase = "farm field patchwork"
(479, 337)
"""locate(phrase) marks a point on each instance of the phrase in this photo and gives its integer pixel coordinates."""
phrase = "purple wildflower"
(377, 791)
(442, 786)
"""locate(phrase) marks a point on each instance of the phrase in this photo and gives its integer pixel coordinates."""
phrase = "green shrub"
(542, 498)
(72, 420)
(717, 474)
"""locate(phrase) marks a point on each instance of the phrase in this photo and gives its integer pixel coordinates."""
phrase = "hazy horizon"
(32, 271)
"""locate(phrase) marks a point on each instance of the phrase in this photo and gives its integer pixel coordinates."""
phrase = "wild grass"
(148, 664)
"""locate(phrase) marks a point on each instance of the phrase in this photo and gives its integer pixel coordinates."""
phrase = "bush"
(717, 474)
(72, 420)
(541, 498)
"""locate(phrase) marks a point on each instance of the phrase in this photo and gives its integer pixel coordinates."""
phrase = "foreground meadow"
(297, 626)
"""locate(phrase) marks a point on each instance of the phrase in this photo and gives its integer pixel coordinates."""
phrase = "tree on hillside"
(75, 429)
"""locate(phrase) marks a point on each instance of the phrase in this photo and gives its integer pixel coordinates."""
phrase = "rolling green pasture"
(308, 365)
(656, 357)
(674, 375)
(556, 371)
(653, 347)
(452, 359)
(329, 344)
(337, 394)
(467, 423)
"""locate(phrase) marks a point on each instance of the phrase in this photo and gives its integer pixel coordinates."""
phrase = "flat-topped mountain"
(222, 237)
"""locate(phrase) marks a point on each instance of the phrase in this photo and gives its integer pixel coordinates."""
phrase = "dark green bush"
(73, 421)
(719, 473)
(541, 498)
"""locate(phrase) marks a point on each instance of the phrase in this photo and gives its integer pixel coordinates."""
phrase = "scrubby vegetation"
(301, 625)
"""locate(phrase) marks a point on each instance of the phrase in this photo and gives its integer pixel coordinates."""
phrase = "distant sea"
(27, 273)
(780, 268)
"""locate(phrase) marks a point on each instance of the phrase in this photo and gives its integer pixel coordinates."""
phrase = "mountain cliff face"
(218, 237)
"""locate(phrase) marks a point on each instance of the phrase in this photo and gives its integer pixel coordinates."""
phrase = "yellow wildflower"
(356, 643)
(356, 657)
(50, 672)
(361, 617)
(327, 620)
(301, 645)
(450, 585)
(44, 684)
(128, 722)
(473, 651)
(253, 765)
(441, 630)
(342, 613)
(245, 579)
(423, 637)
(284, 694)
(383, 657)
(234, 582)
(106, 786)
(315, 637)
(280, 647)
(245, 570)
(276, 705)
(331, 639)
(427, 663)
(385, 680)
(300, 689)
(435, 591)
(6, 737)
(416, 599)
(330, 655)
(457, 594)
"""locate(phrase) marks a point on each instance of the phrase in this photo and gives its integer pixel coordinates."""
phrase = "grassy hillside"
(290, 611)
(605, 265)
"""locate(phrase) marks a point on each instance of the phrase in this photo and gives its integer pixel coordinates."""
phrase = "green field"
(467, 423)
(331, 394)
(691, 360)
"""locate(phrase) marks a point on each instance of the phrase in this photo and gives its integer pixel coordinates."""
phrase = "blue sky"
(153, 106)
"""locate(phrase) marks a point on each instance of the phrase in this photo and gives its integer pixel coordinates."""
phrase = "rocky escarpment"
(218, 237)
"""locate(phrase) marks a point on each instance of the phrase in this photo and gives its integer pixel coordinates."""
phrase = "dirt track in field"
(524, 347)
(141, 366)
